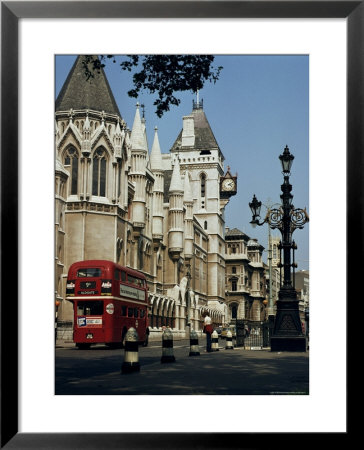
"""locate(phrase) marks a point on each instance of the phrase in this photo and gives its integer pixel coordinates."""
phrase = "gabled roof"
(94, 94)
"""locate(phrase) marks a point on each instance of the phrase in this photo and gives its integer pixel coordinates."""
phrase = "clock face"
(228, 184)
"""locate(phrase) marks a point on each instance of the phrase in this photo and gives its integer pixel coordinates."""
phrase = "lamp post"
(287, 334)
(188, 297)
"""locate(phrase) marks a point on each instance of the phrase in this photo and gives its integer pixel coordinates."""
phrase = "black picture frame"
(11, 13)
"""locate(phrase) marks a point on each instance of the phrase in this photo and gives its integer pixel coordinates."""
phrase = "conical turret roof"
(176, 181)
(138, 141)
(95, 93)
(156, 162)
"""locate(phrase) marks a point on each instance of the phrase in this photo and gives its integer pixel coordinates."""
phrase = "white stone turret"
(156, 166)
(139, 152)
(175, 236)
(188, 202)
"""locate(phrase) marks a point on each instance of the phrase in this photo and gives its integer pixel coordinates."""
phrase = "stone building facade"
(245, 278)
(159, 213)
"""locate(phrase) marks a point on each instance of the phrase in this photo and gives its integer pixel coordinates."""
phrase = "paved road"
(234, 372)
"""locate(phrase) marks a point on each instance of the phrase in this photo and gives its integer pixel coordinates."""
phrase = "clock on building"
(228, 184)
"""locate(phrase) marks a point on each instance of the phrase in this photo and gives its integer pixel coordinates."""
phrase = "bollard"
(214, 342)
(167, 346)
(131, 357)
(229, 341)
(194, 349)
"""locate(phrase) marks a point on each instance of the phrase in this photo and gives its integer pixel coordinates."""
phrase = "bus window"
(136, 281)
(123, 276)
(123, 310)
(130, 312)
(117, 274)
(136, 315)
(142, 313)
(93, 272)
(90, 308)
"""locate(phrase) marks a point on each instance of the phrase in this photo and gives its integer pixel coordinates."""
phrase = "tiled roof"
(204, 137)
(94, 94)
(235, 232)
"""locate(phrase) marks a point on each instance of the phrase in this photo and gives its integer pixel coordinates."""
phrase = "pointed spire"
(187, 188)
(145, 138)
(86, 125)
(145, 133)
(176, 182)
(118, 130)
(79, 93)
(156, 162)
(118, 140)
(137, 133)
(86, 143)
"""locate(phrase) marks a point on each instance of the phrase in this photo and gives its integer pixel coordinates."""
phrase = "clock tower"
(202, 161)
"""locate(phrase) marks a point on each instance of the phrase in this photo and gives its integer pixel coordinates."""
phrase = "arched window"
(99, 173)
(233, 269)
(234, 311)
(234, 285)
(203, 185)
(205, 225)
(71, 163)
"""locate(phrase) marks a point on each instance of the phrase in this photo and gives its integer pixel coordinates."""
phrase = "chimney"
(188, 132)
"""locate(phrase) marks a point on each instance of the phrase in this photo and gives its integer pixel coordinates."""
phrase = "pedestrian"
(207, 329)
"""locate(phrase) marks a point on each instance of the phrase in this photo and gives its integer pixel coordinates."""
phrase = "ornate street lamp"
(287, 334)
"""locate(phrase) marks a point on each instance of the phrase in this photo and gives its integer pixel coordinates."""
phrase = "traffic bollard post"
(229, 341)
(167, 346)
(131, 356)
(214, 342)
(194, 348)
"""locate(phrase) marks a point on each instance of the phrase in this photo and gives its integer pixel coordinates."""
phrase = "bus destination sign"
(128, 291)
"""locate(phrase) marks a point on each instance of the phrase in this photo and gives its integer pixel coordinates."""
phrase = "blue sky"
(259, 105)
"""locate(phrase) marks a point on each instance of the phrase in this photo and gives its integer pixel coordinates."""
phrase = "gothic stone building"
(159, 213)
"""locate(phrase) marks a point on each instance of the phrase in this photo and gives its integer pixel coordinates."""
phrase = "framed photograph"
(32, 33)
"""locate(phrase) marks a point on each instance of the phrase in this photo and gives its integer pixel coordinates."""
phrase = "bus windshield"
(92, 272)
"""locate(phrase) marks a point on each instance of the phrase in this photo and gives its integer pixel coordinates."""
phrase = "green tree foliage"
(161, 74)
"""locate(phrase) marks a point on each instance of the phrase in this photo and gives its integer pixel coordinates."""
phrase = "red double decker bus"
(107, 300)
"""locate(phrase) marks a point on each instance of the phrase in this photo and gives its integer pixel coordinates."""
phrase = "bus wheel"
(83, 346)
(145, 343)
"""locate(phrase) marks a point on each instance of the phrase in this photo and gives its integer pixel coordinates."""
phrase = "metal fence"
(253, 335)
